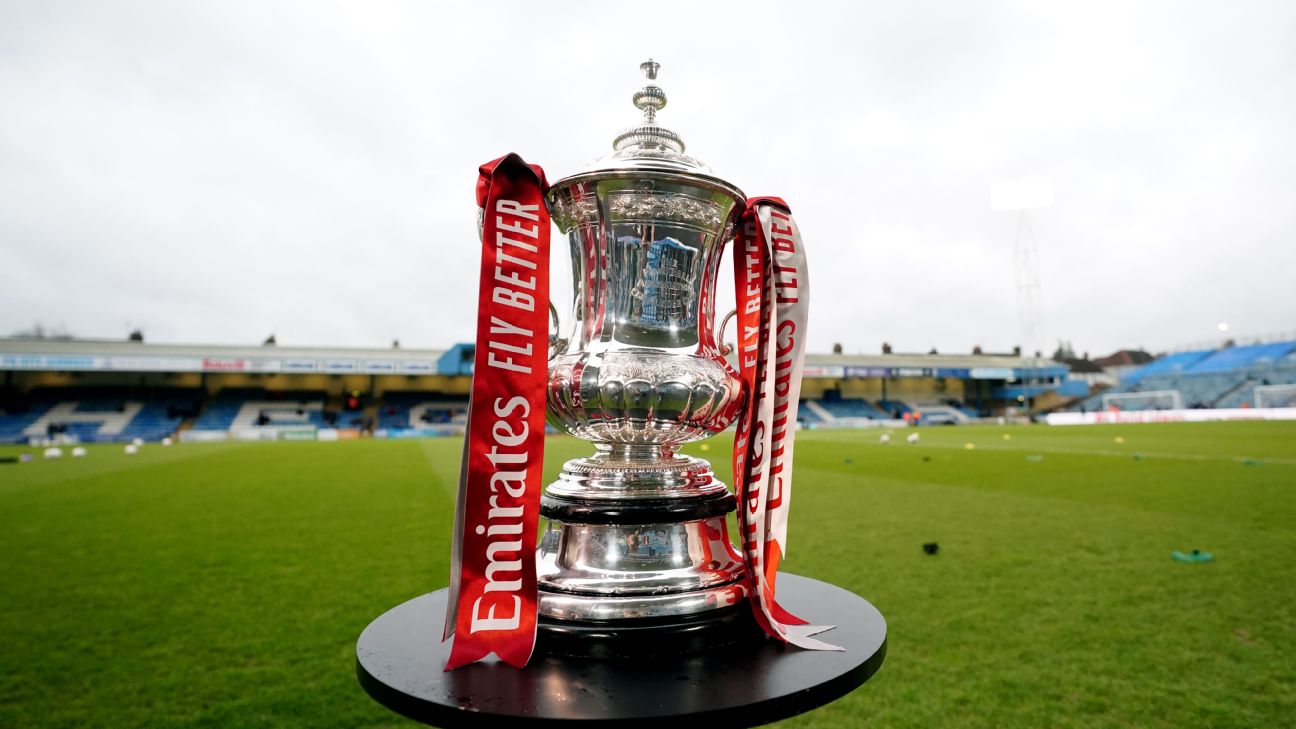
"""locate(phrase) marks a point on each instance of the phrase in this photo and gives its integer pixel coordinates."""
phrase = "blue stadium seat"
(1223, 378)
(12, 425)
(221, 412)
(895, 408)
(1169, 364)
(849, 407)
(394, 413)
(1234, 358)
(153, 420)
(1284, 374)
(152, 423)
(806, 415)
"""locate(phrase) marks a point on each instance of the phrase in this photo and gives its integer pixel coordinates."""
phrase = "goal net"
(1275, 396)
(1153, 400)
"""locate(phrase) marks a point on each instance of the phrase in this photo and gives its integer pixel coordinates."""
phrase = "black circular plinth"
(629, 512)
(643, 637)
(400, 657)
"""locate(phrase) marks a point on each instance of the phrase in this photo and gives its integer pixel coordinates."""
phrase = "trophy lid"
(649, 149)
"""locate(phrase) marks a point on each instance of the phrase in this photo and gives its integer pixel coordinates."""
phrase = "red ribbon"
(493, 597)
(492, 606)
(773, 299)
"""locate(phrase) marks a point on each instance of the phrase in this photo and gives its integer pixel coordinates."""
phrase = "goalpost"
(1274, 396)
(1152, 400)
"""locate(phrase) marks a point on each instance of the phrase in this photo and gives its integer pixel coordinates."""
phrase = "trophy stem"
(630, 452)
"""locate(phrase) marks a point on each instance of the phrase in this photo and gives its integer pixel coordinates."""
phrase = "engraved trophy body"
(637, 532)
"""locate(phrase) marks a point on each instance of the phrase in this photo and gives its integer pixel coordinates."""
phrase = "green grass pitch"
(225, 585)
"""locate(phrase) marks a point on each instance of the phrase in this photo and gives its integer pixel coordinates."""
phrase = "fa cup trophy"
(637, 532)
(637, 543)
(634, 598)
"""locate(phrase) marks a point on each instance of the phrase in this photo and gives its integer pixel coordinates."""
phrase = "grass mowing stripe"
(442, 467)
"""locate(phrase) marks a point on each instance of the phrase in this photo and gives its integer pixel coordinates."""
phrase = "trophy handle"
(725, 349)
(555, 342)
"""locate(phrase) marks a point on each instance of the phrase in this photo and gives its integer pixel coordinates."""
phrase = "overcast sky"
(215, 172)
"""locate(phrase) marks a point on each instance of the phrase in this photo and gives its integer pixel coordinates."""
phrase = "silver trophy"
(637, 534)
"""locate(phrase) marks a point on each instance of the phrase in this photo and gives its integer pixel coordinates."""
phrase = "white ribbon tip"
(799, 635)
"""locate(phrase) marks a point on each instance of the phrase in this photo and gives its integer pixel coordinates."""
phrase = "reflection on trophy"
(637, 532)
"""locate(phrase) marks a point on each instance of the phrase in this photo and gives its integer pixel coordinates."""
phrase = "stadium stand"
(12, 425)
(154, 421)
(238, 409)
(939, 413)
(412, 410)
(221, 411)
(120, 390)
(1169, 364)
(107, 416)
(1222, 378)
(1235, 359)
(346, 419)
(1280, 372)
(812, 413)
(92, 415)
(96, 391)
(851, 408)
(896, 408)
(834, 409)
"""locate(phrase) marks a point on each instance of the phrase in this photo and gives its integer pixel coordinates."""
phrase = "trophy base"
(642, 637)
(652, 573)
(663, 606)
(401, 658)
(637, 551)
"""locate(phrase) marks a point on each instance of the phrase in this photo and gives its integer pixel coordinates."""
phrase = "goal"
(1275, 396)
(1152, 400)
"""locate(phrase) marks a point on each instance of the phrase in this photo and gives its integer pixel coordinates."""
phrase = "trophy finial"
(650, 99)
